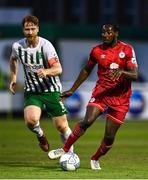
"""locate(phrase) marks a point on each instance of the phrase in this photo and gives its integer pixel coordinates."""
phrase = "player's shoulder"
(45, 42)
(19, 43)
(96, 48)
(125, 45)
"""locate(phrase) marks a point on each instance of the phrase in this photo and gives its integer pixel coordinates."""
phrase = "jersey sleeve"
(131, 57)
(13, 51)
(51, 53)
(91, 61)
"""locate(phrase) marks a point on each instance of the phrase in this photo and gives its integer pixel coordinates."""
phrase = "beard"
(31, 38)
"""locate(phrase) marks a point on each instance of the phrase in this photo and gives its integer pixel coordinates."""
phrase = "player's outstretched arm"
(13, 74)
(66, 94)
(84, 73)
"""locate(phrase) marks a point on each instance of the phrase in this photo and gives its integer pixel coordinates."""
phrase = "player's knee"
(85, 124)
(62, 129)
(31, 120)
(108, 139)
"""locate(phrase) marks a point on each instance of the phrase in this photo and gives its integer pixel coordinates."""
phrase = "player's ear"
(23, 31)
(38, 29)
(117, 33)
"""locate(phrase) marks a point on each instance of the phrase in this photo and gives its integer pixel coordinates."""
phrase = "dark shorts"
(51, 101)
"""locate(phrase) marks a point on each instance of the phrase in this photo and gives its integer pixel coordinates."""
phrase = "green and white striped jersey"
(33, 59)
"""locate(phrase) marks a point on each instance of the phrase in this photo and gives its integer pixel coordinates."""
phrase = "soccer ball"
(69, 161)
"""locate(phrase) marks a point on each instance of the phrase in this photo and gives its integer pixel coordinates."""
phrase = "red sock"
(102, 150)
(76, 133)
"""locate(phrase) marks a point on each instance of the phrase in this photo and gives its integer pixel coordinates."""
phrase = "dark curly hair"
(114, 26)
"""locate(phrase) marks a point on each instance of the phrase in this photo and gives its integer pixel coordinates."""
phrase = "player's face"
(30, 31)
(108, 35)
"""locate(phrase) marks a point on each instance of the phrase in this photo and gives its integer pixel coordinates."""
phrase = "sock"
(102, 150)
(37, 130)
(65, 136)
(76, 133)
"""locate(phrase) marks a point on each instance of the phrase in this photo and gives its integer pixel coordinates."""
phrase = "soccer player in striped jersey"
(42, 84)
(117, 68)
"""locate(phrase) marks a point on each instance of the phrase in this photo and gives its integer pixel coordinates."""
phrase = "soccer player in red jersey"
(117, 67)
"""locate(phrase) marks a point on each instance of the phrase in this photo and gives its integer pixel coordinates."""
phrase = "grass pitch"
(21, 158)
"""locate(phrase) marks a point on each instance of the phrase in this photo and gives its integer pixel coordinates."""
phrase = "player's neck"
(114, 43)
(32, 43)
(111, 44)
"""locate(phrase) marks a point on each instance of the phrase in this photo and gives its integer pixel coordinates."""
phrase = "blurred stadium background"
(73, 26)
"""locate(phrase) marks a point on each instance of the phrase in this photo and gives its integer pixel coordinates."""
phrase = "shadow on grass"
(54, 167)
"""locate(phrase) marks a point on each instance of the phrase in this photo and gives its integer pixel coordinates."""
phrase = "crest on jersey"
(121, 54)
(39, 55)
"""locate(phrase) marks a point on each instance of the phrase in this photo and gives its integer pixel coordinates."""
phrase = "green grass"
(20, 156)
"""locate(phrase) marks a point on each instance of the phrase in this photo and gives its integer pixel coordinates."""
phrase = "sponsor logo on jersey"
(114, 66)
(121, 54)
(33, 68)
(103, 56)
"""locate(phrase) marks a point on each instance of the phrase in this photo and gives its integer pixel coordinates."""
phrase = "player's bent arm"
(55, 69)
(131, 73)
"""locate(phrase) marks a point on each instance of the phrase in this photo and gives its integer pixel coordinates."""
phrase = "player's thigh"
(60, 122)
(54, 105)
(113, 121)
(116, 115)
(32, 114)
(32, 107)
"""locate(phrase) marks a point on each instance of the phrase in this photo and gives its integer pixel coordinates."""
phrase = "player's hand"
(115, 74)
(66, 94)
(41, 73)
(12, 87)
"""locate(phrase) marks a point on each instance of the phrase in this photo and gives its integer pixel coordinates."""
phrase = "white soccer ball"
(69, 161)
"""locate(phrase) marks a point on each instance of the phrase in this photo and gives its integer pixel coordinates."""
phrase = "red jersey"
(121, 56)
